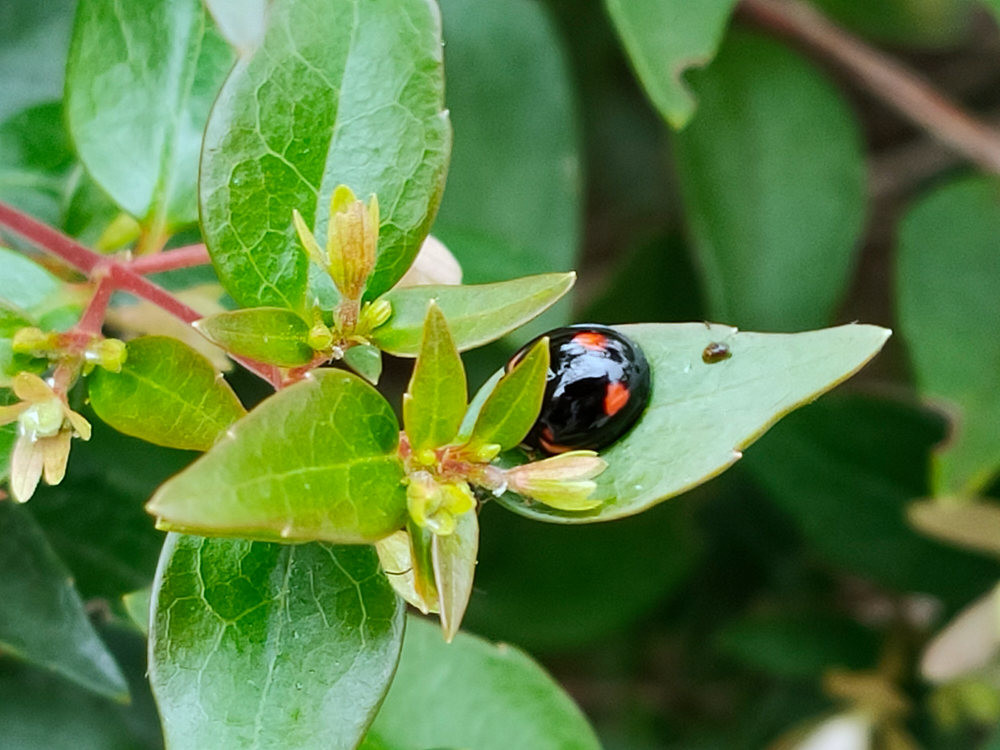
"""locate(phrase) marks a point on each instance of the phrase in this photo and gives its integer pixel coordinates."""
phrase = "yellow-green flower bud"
(563, 481)
(108, 353)
(320, 337)
(374, 314)
(34, 341)
(352, 237)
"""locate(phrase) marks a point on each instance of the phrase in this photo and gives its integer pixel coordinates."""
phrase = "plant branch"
(888, 79)
(92, 320)
(170, 260)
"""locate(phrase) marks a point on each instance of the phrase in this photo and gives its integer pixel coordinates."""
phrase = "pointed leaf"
(366, 361)
(140, 80)
(666, 38)
(949, 263)
(454, 558)
(395, 554)
(337, 93)
(266, 334)
(167, 394)
(422, 562)
(476, 314)
(511, 409)
(775, 222)
(315, 461)
(436, 399)
(270, 645)
(473, 694)
(42, 619)
(701, 416)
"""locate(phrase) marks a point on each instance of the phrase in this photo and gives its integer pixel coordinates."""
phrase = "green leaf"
(477, 314)
(366, 361)
(267, 334)
(241, 22)
(33, 41)
(512, 407)
(454, 558)
(666, 38)
(844, 471)
(924, 23)
(270, 645)
(422, 568)
(472, 694)
(43, 620)
(137, 606)
(139, 83)
(514, 199)
(949, 263)
(166, 393)
(337, 93)
(437, 397)
(775, 221)
(25, 286)
(701, 416)
(315, 461)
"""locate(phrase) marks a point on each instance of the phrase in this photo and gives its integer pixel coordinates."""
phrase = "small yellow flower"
(45, 426)
(433, 505)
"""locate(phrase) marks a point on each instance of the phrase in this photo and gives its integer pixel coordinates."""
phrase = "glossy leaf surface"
(266, 334)
(141, 78)
(270, 645)
(512, 407)
(477, 313)
(454, 558)
(315, 461)
(701, 416)
(337, 93)
(166, 393)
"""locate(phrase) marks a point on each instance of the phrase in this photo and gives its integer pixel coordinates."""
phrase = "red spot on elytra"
(615, 397)
(546, 440)
(591, 340)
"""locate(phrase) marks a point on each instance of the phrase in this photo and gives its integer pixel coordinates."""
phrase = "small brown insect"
(716, 352)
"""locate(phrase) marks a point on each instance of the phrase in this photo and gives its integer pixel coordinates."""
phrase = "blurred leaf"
(137, 607)
(973, 525)
(241, 22)
(477, 314)
(968, 645)
(701, 416)
(472, 694)
(42, 619)
(140, 80)
(166, 393)
(437, 397)
(25, 286)
(315, 461)
(665, 39)
(923, 23)
(546, 587)
(512, 407)
(35, 160)
(844, 470)
(33, 41)
(454, 558)
(800, 647)
(270, 645)
(949, 264)
(266, 334)
(343, 93)
(775, 222)
(513, 204)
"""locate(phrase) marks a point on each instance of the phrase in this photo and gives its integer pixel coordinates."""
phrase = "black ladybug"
(598, 385)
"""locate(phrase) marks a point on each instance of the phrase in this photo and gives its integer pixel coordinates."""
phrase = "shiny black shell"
(598, 386)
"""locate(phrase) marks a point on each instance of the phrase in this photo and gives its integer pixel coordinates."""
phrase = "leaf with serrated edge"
(42, 619)
(140, 80)
(435, 401)
(345, 93)
(315, 461)
(270, 645)
(512, 407)
(267, 334)
(701, 416)
(167, 394)
(477, 314)
(454, 558)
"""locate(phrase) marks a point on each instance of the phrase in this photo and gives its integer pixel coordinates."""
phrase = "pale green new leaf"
(167, 394)
(43, 619)
(270, 645)
(701, 416)
(437, 396)
(337, 93)
(513, 405)
(140, 80)
(477, 314)
(664, 39)
(267, 334)
(366, 361)
(315, 461)
(474, 694)
(24, 285)
(454, 558)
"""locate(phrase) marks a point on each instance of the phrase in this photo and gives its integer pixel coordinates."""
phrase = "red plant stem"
(170, 260)
(114, 275)
(93, 317)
